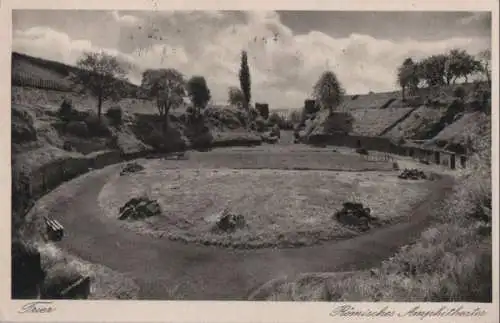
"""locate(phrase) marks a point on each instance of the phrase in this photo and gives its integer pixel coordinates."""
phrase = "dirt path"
(173, 270)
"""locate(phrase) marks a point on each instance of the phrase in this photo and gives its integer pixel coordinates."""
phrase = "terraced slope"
(460, 131)
(369, 101)
(371, 122)
(416, 125)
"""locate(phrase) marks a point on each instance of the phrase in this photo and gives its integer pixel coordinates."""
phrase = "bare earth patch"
(281, 207)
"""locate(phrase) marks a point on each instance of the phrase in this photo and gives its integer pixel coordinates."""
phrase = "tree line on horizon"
(442, 69)
(103, 75)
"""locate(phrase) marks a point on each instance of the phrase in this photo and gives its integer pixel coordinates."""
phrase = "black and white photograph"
(247, 155)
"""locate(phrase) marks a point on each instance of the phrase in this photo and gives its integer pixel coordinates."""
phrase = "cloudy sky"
(288, 50)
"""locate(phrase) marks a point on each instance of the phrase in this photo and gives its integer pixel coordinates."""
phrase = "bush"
(27, 272)
(260, 124)
(97, 127)
(66, 110)
(77, 128)
(115, 115)
(362, 151)
(459, 92)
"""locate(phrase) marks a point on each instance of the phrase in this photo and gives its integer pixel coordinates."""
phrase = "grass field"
(281, 207)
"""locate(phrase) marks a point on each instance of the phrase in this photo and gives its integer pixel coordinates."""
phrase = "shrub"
(97, 127)
(66, 110)
(459, 92)
(362, 151)
(77, 128)
(27, 272)
(115, 114)
(260, 124)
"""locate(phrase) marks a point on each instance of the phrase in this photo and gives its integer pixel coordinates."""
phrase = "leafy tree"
(433, 69)
(484, 64)
(295, 117)
(167, 87)
(235, 96)
(198, 91)
(461, 64)
(408, 76)
(102, 74)
(328, 91)
(263, 109)
(245, 81)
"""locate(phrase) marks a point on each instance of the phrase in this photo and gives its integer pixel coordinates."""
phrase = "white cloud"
(283, 66)
(125, 19)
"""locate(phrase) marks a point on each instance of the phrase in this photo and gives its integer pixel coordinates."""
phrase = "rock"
(355, 215)
(131, 168)
(228, 221)
(139, 208)
(413, 174)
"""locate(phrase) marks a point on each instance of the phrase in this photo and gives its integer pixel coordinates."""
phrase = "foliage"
(442, 69)
(245, 80)
(236, 96)
(328, 91)
(484, 64)
(407, 76)
(115, 114)
(459, 92)
(263, 109)
(97, 127)
(198, 91)
(102, 74)
(432, 69)
(66, 109)
(460, 64)
(167, 87)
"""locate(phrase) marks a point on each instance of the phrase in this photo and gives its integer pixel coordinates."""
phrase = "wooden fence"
(28, 80)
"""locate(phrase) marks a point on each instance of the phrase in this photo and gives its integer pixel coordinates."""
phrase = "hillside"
(29, 70)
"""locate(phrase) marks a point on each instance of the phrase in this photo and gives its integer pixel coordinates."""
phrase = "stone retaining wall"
(386, 145)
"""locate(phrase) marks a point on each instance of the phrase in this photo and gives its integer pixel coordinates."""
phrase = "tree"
(328, 91)
(461, 64)
(167, 87)
(245, 82)
(235, 96)
(102, 74)
(484, 64)
(407, 76)
(198, 91)
(263, 109)
(433, 69)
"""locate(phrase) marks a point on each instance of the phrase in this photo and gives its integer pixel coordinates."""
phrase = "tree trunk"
(99, 107)
(165, 119)
(403, 93)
